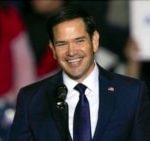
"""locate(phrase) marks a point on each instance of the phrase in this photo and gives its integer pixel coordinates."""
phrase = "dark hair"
(68, 13)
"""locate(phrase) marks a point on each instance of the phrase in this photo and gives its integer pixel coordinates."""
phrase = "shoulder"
(119, 78)
(130, 89)
(40, 87)
(127, 81)
(122, 83)
(50, 81)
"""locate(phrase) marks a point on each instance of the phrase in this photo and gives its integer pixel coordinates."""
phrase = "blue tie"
(82, 125)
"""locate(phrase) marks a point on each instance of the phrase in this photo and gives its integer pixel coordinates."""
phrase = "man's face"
(74, 49)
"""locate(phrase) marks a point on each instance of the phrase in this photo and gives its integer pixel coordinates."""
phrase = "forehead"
(76, 21)
(70, 28)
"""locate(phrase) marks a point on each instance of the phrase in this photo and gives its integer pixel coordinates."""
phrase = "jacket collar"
(106, 104)
(60, 115)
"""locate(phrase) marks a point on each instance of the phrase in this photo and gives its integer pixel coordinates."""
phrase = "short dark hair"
(69, 13)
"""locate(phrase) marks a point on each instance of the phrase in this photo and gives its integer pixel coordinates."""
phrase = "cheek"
(59, 53)
(89, 50)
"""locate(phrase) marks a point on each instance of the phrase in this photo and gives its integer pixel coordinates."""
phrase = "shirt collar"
(89, 81)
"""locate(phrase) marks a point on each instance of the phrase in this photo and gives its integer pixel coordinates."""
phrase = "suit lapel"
(47, 122)
(61, 118)
(59, 115)
(106, 107)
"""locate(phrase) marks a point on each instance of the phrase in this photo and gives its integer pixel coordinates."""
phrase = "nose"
(71, 49)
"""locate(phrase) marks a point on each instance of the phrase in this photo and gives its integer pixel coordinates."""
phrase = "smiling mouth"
(74, 60)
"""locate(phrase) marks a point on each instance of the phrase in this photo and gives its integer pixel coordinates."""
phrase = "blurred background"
(25, 56)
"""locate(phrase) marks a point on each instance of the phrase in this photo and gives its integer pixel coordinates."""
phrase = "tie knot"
(81, 88)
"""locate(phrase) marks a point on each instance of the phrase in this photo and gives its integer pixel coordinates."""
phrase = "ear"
(53, 49)
(95, 40)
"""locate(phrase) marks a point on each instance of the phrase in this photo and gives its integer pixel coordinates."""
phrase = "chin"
(76, 76)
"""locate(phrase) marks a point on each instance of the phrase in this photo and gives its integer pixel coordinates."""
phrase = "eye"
(63, 44)
(79, 41)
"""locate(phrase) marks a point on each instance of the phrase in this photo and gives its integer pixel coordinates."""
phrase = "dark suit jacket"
(124, 111)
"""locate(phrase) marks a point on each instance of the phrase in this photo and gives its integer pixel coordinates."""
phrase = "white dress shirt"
(92, 94)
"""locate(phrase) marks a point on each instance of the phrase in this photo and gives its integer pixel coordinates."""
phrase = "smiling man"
(82, 102)
(74, 48)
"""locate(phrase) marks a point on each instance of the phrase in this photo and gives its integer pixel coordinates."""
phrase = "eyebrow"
(78, 38)
(82, 37)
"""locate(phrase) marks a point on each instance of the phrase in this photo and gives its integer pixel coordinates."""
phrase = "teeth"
(74, 60)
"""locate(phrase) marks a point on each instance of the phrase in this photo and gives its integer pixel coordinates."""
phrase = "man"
(118, 106)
